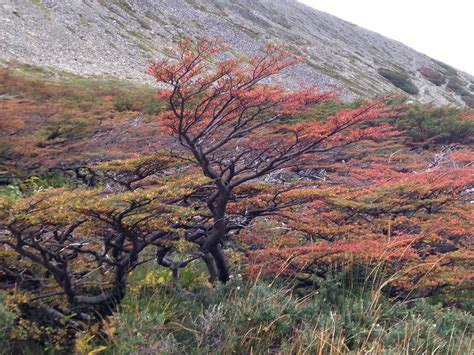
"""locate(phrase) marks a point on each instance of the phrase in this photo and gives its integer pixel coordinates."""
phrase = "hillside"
(117, 38)
(208, 212)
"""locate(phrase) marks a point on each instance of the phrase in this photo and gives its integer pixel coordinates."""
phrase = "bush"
(5, 149)
(432, 76)
(458, 87)
(122, 103)
(66, 127)
(400, 80)
(152, 107)
(443, 125)
(468, 100)
(8, 318)
(254, 317)
(446, 69)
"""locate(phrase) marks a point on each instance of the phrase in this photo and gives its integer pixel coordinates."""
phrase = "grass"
(59, 78)
(264, 315)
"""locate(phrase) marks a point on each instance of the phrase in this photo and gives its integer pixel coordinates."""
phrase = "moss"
(40, 5)
(125, 6)
(197, 6)
(145, 44)
(251, 33)
(72, 30)
(400, 80)
(143, 24)
(155, 18)
(84, 21)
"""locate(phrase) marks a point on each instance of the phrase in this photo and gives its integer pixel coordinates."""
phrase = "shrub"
(5, 149)
(432, 75)
(122, 103)
(446, 69)
(258, 316)
(7, 322)
(66, 127)
(468, 100)
(400, 80)
(458, 86)
(443, 125)
(152, 107)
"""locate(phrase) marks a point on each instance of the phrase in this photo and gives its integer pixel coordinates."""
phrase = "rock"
(116, 38)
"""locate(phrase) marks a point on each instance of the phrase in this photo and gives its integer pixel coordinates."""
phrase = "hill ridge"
(117, 37)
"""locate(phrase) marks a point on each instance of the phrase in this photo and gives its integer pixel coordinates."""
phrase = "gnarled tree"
(235, 126)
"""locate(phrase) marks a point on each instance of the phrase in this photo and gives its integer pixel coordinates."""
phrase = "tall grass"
(267, 316)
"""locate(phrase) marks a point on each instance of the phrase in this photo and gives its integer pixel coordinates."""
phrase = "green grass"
(60, 78)
(258, 316)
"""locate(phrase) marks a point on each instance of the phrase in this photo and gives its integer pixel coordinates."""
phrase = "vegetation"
(400, 80)
(224, 214)
(432, 75)
(122, 103)
(262, 315)
(437, 125)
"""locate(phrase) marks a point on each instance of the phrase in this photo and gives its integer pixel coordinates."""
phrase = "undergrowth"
(268, 316)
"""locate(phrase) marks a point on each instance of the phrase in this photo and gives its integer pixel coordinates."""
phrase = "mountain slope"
(117, 37)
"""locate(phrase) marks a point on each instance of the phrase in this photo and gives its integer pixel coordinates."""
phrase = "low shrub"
(153, 107)
(257, 316)
(66, 127)
(432, 75)
(122, 103)
(446, 69)
(457, 87)
(5, 149)
(468, 100)
(436, 125)
(7, 322)
(400, 80)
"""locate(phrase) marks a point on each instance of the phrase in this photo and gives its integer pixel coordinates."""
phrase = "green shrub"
(153, 107)
(5, 149)
(122, 103)
(446, 69)
(400, 80)
(245, 317)
(432, 125)
(66, 127)
(7, 322)
(458, 87)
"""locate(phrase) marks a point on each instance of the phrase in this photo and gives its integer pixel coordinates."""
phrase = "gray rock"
(118, 37)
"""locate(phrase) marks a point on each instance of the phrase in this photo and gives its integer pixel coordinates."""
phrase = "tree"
(86, 241)
(408, 217)
(237, 128)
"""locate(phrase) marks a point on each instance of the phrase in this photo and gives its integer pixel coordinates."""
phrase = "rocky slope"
(118, 37)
